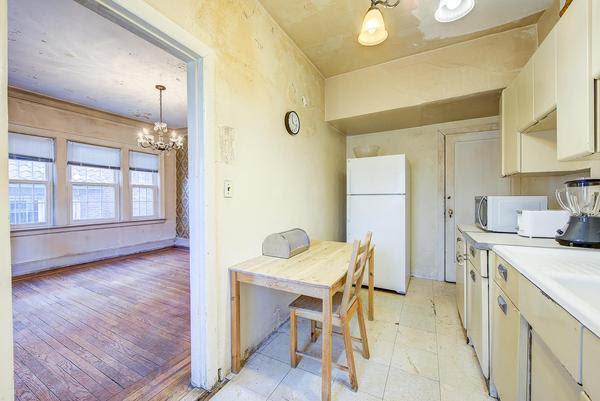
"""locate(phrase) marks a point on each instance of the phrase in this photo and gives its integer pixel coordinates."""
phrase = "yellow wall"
(279, 181)
(424, 148)
(476, 66)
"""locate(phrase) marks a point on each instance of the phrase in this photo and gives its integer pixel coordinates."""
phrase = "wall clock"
(292, 122)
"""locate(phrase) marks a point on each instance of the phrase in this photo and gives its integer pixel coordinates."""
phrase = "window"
(30, 162)
(143, 177)
(94, 182)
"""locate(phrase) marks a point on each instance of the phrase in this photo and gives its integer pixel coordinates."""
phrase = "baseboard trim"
(182, 242)
(20, 269)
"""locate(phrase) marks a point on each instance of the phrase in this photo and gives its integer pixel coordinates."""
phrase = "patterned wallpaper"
(182, 227)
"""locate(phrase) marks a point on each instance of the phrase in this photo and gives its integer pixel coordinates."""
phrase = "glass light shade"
(373, 30)
(452, 10)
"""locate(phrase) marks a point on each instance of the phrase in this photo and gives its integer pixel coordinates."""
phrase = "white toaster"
(541, 223)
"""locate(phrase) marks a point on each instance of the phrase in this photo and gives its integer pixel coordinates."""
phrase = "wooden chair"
(345, 305)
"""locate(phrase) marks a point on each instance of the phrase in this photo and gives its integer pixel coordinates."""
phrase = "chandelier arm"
(384, 3)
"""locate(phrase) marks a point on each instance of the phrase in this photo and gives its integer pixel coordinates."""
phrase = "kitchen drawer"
(507, 278)
(478, 258)
(558, 329)
(549, 380)
(505, 325)
(591, 364)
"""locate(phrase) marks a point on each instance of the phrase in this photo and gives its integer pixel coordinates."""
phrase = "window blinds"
(30, 147)
(147, 162)
(81, 154)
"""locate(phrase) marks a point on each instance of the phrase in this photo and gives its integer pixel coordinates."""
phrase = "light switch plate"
(228, 189)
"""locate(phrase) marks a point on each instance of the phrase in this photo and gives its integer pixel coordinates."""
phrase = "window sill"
(30, 231)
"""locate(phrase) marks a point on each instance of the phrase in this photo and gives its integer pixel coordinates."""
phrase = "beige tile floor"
(418, 353)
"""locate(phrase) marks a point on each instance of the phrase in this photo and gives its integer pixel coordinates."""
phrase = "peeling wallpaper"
(478, 66)
(182, 225)
(279, 181)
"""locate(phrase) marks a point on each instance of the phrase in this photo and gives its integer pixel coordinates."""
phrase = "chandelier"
(160, 139)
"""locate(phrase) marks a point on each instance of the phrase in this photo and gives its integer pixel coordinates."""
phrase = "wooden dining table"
(318, 272)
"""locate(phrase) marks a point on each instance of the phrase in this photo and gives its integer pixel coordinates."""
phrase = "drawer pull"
(503, 271)
(472, 250)
(502, 304)
(472, 275)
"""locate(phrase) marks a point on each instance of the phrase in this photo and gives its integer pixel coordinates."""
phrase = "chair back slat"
(356, 272)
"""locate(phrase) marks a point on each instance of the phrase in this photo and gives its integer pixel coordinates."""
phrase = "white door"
(384, 215)
(473, 167)
(377, 175)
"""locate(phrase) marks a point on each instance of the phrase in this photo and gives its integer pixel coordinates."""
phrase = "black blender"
(581, 198)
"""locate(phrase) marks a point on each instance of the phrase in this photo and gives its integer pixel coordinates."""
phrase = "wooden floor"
(112, 330)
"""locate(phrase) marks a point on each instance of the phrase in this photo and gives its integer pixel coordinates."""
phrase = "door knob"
(450, 213)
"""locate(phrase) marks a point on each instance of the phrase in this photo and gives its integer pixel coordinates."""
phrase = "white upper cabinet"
(575, 86)
(511, 146)
(524, 94)
(544, 77)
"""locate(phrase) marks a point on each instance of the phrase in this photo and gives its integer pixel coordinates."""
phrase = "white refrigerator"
(377, 200)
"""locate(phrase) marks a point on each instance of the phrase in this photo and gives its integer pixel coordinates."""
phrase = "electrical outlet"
(228, 189)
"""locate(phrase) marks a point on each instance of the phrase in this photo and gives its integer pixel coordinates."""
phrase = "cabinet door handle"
(472, 250)
(503, 271)
(502, 304)
(472, 275)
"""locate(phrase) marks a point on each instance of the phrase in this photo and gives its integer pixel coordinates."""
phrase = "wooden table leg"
(371, 283)
(235, 324)
(326, 338)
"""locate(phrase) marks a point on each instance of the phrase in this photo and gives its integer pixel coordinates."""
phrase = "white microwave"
(499, 213)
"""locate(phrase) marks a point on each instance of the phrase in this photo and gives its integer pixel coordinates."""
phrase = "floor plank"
(111, 330)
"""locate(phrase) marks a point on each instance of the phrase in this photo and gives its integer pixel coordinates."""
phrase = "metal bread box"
(286, 244)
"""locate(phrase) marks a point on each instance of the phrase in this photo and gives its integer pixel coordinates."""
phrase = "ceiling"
(327, 30)
(61, 49)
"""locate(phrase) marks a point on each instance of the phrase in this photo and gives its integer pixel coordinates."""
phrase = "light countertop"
(571, 277)
(485, 240)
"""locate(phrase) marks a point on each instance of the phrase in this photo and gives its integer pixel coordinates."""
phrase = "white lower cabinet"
(549, 380)
(591, 364)
(539, 352)
(557, 328)
(461, 290)
(505, 324)
(478, 319)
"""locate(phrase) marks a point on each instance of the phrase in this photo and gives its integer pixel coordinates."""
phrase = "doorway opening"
(119, 199)
(472, 167)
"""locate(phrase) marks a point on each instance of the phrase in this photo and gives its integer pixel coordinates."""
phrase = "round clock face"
(292, 122)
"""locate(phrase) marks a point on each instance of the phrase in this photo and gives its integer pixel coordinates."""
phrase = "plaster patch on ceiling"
(327, 30)
(486, 14)
(63, 50)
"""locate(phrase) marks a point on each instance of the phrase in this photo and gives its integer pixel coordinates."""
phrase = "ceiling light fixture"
(373, 30)
(157, 140)
(452, 10)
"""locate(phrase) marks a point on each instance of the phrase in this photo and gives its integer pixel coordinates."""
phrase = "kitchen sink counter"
(570, 277)
(485, 240)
